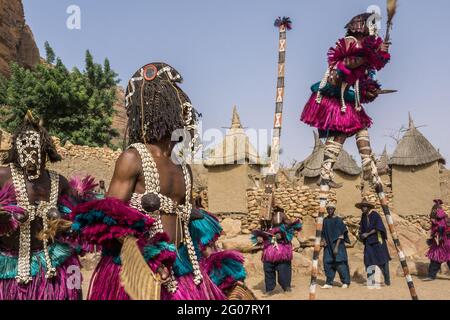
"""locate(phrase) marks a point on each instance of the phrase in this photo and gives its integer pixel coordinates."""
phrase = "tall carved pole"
(283, 24)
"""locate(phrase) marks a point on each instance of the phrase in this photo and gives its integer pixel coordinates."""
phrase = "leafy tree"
(49, 53)
(74, 105)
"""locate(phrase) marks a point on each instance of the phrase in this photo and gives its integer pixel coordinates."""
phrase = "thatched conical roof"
(383, 162)
(414, 149)
(235, 148)
(310, 167)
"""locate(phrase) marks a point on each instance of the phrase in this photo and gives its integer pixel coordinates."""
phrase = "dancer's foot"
(327, 286)
(345, 286)
(428, 279)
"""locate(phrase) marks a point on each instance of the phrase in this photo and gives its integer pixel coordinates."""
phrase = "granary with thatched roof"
(383, 168)
(346, 171)
(415, 173)
(233, 166)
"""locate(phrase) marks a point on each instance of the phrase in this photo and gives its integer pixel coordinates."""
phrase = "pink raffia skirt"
(439, 253)
(187, 290)
(105, 285)
(280, 253)
(328, 116)
(60, 287)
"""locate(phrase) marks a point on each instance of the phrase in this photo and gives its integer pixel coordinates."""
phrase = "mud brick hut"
(415, 173)
(346, 172)
(233, 167)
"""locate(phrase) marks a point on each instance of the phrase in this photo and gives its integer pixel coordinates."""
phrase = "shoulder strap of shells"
(151, 175)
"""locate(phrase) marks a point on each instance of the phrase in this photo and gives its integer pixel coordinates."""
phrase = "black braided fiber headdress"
(156, 106)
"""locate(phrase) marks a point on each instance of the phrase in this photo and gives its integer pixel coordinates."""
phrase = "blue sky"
(226, 51)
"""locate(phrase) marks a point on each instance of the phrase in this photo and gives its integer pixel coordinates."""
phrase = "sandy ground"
(435, 290)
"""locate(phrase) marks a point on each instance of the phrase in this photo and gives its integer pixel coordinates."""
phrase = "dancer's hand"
(259, 240)
(371, 95)
(163, 273)
(385, 46)
(4, 216)
(364, 236)
(278, 236)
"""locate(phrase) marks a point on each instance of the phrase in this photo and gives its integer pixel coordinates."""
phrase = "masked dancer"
(37, 260)
(276, 237)
(439, 242)
(150, 198)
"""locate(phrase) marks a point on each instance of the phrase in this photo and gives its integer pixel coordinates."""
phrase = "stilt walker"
(283, 24)
(336, 110)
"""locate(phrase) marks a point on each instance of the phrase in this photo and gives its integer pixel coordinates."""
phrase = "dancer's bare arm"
(5, 175)
(126, 172)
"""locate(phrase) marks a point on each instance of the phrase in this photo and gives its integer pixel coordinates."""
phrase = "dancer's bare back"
(129, 178)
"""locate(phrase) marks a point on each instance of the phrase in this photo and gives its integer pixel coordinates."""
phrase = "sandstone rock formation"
(120, 116)
(16, 39)
(241, 243)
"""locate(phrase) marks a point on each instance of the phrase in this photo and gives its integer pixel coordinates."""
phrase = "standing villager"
(276, 236)
(336, 109)
(100, 191)
(35, 251)
(149, 198)
(373, 234)
(439, 251)
(335, 236)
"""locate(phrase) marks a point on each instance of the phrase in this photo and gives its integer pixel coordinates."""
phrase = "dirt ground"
(435, 290)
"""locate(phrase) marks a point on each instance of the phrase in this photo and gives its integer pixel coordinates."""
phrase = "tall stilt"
(331, 153)
(323, 196)
(368, 162)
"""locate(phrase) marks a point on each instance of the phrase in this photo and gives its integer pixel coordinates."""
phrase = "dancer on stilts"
(335, 109)
(283, 24)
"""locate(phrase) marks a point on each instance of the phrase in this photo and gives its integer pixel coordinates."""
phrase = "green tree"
(74, 105)
(49, 53)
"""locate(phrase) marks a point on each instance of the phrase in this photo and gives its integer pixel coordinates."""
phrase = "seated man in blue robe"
(334, 237)
(373, 234)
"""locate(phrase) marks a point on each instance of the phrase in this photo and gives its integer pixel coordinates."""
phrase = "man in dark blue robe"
(373, 234)
(334, 236)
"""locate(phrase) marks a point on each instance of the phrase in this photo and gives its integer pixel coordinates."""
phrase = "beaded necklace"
(183, 212)
(41, 210)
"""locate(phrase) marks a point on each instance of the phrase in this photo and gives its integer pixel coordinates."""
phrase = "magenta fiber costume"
(335, 105)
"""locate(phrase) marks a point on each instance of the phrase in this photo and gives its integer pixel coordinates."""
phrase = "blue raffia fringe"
(59, 253)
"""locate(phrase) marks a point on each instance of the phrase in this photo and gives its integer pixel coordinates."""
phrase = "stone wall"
(83, 160)
(300, 202)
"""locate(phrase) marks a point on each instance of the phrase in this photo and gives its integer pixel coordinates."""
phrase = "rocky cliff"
(16, 39)
(120, 116)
